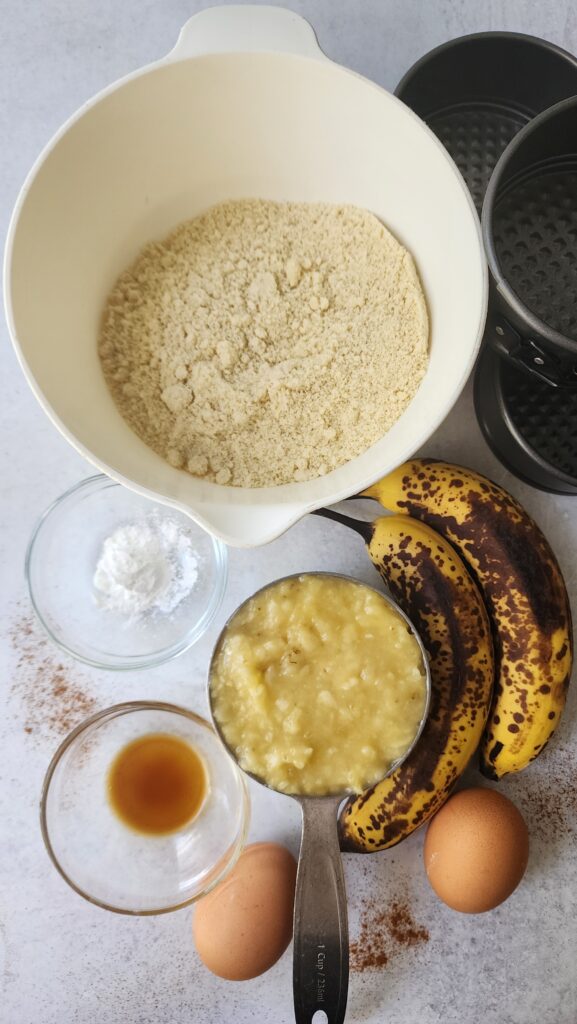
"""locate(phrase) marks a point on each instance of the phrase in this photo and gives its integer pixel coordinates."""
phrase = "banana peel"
(431, 584)
(524, 592)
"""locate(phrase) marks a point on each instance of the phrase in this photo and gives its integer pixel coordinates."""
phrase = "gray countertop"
(63, 961)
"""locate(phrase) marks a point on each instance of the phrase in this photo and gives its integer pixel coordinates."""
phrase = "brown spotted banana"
(524, 592)
(430, 583)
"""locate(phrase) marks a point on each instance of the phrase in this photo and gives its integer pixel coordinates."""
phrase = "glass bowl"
(60, 562)
(106, 861)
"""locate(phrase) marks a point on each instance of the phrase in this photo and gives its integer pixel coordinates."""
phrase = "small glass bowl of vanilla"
(142, 810)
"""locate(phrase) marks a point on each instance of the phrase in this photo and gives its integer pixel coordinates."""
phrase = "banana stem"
(365, 530)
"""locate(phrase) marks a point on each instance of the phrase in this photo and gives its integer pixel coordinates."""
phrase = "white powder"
(145, 566)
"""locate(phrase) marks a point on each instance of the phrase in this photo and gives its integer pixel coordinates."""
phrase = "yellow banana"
(429, 581)
(524, 592)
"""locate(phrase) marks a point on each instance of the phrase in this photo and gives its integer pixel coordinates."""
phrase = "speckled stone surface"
(63, 961)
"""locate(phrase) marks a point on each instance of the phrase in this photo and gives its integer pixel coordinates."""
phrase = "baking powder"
(145, 567)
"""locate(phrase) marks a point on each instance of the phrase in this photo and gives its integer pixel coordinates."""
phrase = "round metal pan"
(531, 427)
(476, 92)
(530, 234)
(504, 106)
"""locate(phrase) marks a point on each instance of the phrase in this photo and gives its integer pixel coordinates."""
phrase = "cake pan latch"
(531, 356)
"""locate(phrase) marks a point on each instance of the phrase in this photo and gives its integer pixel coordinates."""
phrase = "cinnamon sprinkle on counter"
(53, 696)
(383, 934)
(547, 795)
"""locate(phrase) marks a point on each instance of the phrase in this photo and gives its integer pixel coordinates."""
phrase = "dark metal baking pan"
(530, 234)
(480, 94)
(530, 426)
(478, 91)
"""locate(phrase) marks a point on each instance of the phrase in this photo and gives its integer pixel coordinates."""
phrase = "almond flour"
(264, 343)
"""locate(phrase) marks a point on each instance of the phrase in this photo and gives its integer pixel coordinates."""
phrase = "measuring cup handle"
(321, 934)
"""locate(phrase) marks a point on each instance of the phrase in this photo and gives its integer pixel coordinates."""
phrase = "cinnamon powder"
(54, 698)
(547, 795)
(383, 934)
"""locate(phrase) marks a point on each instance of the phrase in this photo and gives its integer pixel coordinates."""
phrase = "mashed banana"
(318, 685)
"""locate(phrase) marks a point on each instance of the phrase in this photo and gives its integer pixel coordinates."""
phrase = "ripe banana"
(433, 587)
(524, 592)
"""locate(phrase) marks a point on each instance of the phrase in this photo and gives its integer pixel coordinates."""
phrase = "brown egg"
(244, 925)
(476, 850)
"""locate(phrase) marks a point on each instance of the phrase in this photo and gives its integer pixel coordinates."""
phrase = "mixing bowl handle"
(245, 29)
(321, 933)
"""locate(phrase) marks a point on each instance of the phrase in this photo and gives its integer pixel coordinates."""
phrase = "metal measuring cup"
(320, 934)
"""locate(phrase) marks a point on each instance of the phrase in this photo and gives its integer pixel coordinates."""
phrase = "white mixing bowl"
(246, 105)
